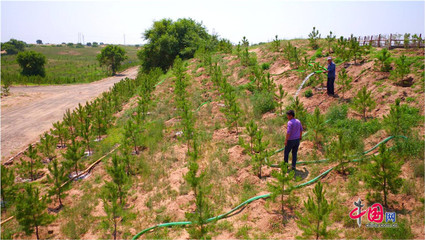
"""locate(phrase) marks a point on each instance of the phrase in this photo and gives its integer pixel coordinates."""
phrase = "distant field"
(64, 65)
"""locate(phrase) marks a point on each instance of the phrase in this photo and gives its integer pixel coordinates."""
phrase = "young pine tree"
(132, 135)
(276, 44)
(299, 109)
(317, 127)
(384, 173)
(201, 189)
(119, 177)
(99, 124)
(363, 102)
(344, 149)
(31, 211)
(61, 133)
(401, 120)
(56, 178)
(47, 146)
(8, 188)
(344, 81)
(86, 133)
(251, 130)
(114, 210)
(282, 186)
(232, 110)
(260, 152)
(314, 221)
(73, 155)
(402, 68)
(30, 168)
(313, 38)
(280, 97)
(383, 60)
(356, 51)
(330, 38)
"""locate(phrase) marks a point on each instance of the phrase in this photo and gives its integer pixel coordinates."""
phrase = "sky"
(259, 21)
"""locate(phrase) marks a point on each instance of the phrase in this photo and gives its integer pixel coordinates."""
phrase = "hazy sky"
(259, 21)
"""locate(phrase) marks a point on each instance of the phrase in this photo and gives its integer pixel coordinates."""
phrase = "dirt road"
(30, 111)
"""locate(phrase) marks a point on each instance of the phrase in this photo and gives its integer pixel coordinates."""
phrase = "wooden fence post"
(379, 40)
(389, 47)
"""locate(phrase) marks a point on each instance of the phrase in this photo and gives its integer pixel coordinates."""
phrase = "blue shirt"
(331, 70)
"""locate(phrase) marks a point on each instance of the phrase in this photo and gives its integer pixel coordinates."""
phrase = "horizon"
(60, 21)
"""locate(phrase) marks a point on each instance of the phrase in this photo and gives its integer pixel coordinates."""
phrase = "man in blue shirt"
(331, 77)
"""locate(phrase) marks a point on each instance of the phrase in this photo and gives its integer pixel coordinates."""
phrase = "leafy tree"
(88, 44)
(31, 211)
(282, 186)
(95, 44)
(56, 178)
(363, 102)
(402, 68)
(315, 220)
(32, 63)
(39, 41)
(8, 188)
(344, 81)
(317, 127)
(112, 56)
(384, 173)
(73, 154)
(30, 168)
(61, 132)
(383, 59)
(47, 146)
(13, 46)
(330, 38)
(276, 44)
(167, 39)
(313, 38)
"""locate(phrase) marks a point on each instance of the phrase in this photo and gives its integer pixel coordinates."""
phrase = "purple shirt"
(294, 129)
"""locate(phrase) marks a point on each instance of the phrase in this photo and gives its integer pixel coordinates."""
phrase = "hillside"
(159, 192)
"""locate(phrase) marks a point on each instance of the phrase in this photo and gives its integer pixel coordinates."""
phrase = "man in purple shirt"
(293, 137)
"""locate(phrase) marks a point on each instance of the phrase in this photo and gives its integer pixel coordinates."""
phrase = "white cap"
(329, 58)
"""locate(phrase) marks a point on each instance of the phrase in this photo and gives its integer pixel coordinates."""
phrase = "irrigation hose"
(260, 196)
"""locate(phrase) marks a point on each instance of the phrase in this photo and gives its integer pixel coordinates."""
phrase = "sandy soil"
(30, 110)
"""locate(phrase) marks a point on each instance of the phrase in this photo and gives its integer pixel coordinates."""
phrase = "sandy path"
(30, 111)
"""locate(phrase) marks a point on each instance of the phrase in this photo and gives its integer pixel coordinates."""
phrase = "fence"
(392, 41)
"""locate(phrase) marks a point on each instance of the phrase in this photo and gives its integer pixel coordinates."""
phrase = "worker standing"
(293, 137)
(331, 77)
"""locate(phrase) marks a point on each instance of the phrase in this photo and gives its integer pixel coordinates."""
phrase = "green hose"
(261, 196)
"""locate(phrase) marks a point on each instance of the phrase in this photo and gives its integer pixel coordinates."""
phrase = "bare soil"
(30, 110)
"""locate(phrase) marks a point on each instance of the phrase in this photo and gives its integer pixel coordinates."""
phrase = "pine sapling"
(47, 146)
(276, 44)
(113, 209)
(330, 39)
(260, 153)
(315, 219)
(383, 60)
(73, 155)
(31, 211)
(402, 68)
(317, 127)
(30, 168)
(384, 173)
(56, 178)
(119, 177)
(99, 124)
(363, 102)
(282, 186)
(8, 187)
(344, 81)
(344, 149)
(61, 133)
(251, 130)
(313, 38)
(280, 97)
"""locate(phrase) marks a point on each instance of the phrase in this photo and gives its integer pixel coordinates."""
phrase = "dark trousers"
(330, 85)
(292, 145)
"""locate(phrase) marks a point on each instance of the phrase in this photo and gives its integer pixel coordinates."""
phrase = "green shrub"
(308, 93)
(403, 231)
(265, 66)
(337, 112)
(263, 102)
(419, 169)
